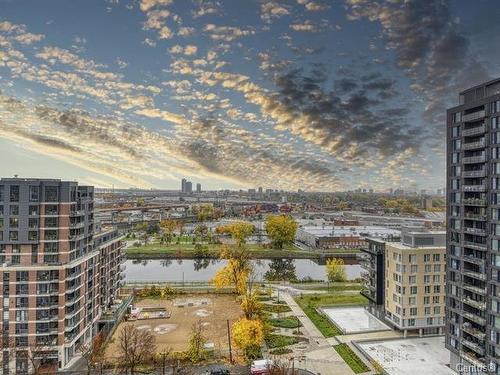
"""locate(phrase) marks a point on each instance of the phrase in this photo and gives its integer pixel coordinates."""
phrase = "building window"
(436, 257)
(22, 276)
(33, 223)
(14, 235)
(34, 193)
(51, 235)
(51, 209)
(51, 194)
(33, 210)
(51, 222)
(32, 235)
(413, 311)
(14, 193)
(14, 222)
(14, 210)
(413, 290)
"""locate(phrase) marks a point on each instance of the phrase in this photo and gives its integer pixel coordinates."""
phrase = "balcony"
(77, 213)
(474, 332)
(472, 345)
(479, 173)
(469, 357)
(474, 131)
(474, 259)
(474, 289)
(472, 216)
(478, 231)
(474, 318)
(476, 275)
(474, 145)
(470, 117)
(80, 224)
(476, 304)
(474, 188)
(474, 159)
(475, 245)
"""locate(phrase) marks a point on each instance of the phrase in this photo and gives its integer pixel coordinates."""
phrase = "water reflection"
(152, 270)
(281, 269)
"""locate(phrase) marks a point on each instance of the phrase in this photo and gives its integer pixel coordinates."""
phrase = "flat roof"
(350, 230)
(410, 356)
(354, 319)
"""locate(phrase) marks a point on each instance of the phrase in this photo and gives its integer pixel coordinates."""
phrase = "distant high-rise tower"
(188, 188)
(198, 188)
(183, 185)
(473, 238)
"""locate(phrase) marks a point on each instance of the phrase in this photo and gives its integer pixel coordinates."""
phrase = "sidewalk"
(320, 357)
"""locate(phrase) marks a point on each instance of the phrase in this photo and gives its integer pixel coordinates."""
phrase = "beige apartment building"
(415, 282)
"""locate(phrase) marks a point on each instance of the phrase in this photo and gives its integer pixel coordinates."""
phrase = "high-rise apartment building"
(50, 271)
(198, 187)
(473, 240)
(183, 185)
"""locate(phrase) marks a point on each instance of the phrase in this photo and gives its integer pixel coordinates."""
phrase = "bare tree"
(162, 358)
(7, 344)
(135, 347)
(38, 356)
(93, 352)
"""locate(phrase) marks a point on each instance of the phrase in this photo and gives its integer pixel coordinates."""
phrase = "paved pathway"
(319, 356)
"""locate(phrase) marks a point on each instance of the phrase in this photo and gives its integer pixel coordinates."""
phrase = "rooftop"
(353, 231)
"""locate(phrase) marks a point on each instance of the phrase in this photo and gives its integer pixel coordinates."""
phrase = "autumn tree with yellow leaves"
(248, 335)
(281, 230)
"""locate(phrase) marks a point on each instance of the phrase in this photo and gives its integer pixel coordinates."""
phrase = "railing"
(473, 145)
(474, 187)
(474, 131)
(481, 232)
(474, 259)
(472, 345)
(475, 304)
(475, 245)
(474, 159)
(474, 289)
(472, 359)
(474, 332)
(480, 173)
(474, 318)
(474, 116)
(475, 216)
(477, 275)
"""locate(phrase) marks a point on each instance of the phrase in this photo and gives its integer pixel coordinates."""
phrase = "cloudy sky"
(313, 94)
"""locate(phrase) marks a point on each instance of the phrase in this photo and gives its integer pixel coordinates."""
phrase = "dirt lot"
(174, 332)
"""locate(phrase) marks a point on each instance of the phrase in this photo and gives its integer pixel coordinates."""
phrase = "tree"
(205, 212)
(248, 335)
(163, 358)
(140, 202)
(250, 305)
(281, 269)
(201, 231)
(239, 232)
(93, 352)
(38, 356)
(196, 349)
(236, 271)
(335, 270)
(135, 347)
(281, 230)
(168, 228)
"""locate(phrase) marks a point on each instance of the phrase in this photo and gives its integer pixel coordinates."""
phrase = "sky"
(319, 95)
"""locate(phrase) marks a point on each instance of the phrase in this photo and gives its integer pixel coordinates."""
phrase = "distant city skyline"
(306, 94)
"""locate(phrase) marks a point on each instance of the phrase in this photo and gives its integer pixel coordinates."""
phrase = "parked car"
(260, 366)
(218, 371)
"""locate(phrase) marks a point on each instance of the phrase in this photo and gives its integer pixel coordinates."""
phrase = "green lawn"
(354, 362)
(280, 341)
(186, 250)
(276, 308)
(288, 322)
(309, 303)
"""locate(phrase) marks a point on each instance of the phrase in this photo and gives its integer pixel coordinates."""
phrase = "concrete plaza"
(354, 319)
